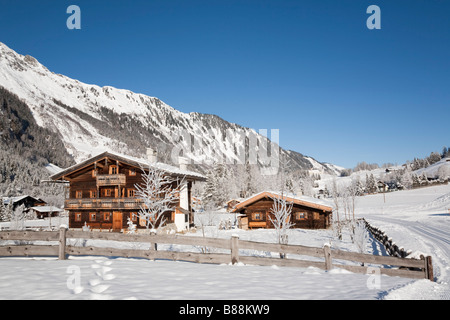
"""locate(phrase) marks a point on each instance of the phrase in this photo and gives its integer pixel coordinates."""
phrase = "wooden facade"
(306, 214)
(101, 192)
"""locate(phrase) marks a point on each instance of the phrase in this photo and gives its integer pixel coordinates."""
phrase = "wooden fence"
(391, 248)
(326, 258)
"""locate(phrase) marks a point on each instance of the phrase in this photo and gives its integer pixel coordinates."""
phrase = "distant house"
(231, 204)
(307, 212)
(382, 187)
(46, 211)
(392, 186)
(25, 200)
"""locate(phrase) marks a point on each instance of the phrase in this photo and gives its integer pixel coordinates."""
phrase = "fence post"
(327, 253)
(62, 243)
(428, 268)
(234, 249)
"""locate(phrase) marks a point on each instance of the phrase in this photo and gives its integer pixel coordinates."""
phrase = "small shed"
(307, 212)
(46, 211)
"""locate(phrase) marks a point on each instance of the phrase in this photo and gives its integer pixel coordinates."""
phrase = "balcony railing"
(103, 203)
(111, 179)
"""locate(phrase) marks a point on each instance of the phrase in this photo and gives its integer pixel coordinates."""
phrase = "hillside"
(91, 119)
(25, 148)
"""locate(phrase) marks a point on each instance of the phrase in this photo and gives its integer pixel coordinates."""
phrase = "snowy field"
(418, 220)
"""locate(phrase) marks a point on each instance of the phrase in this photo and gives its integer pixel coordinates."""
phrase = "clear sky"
(336, 90)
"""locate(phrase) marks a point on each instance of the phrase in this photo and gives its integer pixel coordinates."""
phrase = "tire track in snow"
(439, 244)
(434, 240)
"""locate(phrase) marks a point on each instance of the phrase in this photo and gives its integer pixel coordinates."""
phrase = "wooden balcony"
(103, 203)
(111, 180)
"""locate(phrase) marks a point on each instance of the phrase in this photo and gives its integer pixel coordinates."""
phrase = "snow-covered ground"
(417, 220)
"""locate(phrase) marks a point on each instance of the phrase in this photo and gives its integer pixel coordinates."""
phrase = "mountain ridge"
(91, 119)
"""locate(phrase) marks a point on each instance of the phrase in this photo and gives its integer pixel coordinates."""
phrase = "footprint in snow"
(102, 269)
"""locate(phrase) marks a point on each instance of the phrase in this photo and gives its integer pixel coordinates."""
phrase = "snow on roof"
(139, 161)
(289, 197)
(53, 169)
(160, 165)
(46, 209)
(6, 200)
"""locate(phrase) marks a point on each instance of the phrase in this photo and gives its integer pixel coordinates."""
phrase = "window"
(257, 216)
(107, 192)
(133, 216)
(131, 193)
(77, 216)
(92, 216)
(300, 215)
(316, 216)
(78, 194)
(132, 172)
(106, 216)
(113, 170)
(93, 193)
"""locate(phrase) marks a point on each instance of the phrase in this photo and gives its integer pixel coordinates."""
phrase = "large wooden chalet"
(307, 212)
(101, 192)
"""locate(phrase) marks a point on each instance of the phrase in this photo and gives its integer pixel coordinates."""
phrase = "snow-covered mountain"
(91, 119)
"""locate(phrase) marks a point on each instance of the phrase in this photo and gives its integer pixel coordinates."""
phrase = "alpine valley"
(48, 120)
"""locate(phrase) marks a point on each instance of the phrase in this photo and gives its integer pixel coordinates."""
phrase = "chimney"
(152, 155)
(183, 162)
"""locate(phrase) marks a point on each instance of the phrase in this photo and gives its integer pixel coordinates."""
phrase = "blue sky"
(336, 90)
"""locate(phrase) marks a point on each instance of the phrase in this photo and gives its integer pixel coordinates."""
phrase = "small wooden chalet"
(307, 212)
(25, 200)
(101, 192)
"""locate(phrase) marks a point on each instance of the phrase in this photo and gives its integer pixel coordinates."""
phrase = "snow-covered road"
(417, 220)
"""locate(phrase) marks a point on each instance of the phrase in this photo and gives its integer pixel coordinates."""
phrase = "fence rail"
(329, 258)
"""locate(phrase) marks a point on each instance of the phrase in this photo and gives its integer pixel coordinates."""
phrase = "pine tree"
(211, 195)
(415, 180)
(444, 152)
(359, 188)
(2, 210)
(371, 184)
(249, 181)
(8, 211)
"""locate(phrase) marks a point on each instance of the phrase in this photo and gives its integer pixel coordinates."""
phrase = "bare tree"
(353, 191)
(335, 190)
(281, 218)
(360, 237)
(18, 218)
(160, 192)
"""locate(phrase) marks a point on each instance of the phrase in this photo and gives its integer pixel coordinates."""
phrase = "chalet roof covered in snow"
(7, 200)
(46, 209)
(300, 200)
(137, 162)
